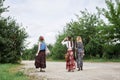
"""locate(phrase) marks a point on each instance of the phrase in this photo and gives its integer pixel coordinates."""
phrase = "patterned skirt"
(40, 60)
(70, 63)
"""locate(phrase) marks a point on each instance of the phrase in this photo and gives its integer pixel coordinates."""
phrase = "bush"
(12, 37)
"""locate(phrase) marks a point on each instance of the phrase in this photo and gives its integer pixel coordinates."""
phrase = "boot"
(78, 69)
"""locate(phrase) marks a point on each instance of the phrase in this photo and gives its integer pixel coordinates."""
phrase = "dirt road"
(57, 71)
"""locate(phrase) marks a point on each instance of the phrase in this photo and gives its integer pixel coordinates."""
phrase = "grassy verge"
(11, 72)
(89, 60)
(102, 60)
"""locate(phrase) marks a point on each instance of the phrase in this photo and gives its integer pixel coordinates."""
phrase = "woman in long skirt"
(40, 60)
(70, 62)
(79, 53)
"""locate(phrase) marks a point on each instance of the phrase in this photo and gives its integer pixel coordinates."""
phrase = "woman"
(79, 53)
(40, 60)
(70, 62)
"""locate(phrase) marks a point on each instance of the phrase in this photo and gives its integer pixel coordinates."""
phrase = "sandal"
(42, 70)
(69, 70)
(72, 70)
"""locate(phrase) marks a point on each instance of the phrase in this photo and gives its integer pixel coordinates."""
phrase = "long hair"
(79, 39)
(69, 39)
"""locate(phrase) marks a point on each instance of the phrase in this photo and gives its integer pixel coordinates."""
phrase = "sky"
(47, 17)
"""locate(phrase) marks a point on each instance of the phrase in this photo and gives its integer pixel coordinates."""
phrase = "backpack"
(42, 46)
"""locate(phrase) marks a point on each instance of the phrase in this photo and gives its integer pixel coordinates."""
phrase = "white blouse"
(68, 44)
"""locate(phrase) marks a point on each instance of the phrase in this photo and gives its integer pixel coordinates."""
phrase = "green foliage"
(29, 54)
(111, 33)
(58, 51)
(113, 16)
(2, 9)
(100, 40)
(87, 27)
(12, 37)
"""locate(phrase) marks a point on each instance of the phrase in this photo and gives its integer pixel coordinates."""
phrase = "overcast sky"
(47, 17)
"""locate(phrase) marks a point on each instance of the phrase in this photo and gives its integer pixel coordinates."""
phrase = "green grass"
(102, 60)
(11, 72)
(88, 60)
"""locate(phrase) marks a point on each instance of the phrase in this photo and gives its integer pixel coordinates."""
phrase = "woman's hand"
(65, 39)
(36, 54)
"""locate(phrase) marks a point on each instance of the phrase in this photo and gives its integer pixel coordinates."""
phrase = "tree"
(29, 54)
(2, 9)
(12, 37)
(100, 39)
(87, 26)
(112, 29)
(58, 51)
(112, 13)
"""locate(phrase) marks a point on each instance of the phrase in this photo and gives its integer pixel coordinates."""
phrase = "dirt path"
(57, 71)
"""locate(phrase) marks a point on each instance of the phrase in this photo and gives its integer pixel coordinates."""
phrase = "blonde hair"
(79, 39)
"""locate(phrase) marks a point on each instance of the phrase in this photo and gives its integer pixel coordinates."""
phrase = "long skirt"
(40, 60)
(70, 63)
(79, 58)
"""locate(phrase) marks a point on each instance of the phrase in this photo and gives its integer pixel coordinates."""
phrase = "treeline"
(12, 37)
(100, 33)
(29, 54)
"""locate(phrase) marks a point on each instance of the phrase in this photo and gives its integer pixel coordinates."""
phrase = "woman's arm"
(64, 41)
(83, 49)
(38, 48)
(82, 46)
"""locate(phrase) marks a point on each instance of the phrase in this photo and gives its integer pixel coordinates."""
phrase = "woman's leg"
(42, 70)
(81, 63)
